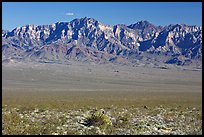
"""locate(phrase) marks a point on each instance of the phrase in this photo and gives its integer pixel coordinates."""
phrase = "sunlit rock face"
(87, 39)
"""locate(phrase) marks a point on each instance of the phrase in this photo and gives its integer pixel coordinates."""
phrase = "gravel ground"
(103, 121)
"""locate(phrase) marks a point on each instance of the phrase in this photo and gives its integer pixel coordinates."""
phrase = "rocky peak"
(84, 22)
(141, 25)
(95, 39)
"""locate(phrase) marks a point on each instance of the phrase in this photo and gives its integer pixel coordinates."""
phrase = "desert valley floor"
(45, 98)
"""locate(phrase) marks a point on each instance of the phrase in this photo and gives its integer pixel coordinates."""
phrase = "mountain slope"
(87, 39)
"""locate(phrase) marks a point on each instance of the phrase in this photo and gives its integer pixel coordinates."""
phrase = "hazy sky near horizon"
(16, 14)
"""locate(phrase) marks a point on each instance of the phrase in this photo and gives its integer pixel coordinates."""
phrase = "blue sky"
(15, 14)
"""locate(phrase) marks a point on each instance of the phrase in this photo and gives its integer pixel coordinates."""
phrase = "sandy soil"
(77, 76)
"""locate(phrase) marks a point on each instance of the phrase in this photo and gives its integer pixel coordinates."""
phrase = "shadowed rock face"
(87, 39)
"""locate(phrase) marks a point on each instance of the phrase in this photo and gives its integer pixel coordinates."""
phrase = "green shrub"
(97, 118)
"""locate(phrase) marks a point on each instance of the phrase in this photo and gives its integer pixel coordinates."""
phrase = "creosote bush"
(97, 118)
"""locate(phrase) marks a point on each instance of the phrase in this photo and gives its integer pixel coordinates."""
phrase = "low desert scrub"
(101, 114)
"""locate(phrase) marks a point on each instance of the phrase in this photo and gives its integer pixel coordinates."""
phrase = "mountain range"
(89, 40)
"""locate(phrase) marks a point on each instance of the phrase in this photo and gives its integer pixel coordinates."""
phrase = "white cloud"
(70, 14)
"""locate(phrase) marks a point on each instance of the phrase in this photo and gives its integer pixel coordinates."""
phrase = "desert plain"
(89, 98)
